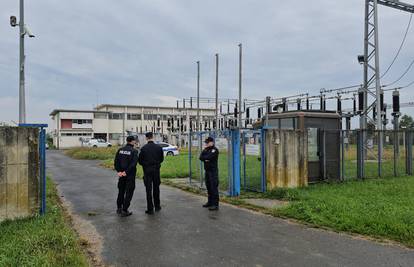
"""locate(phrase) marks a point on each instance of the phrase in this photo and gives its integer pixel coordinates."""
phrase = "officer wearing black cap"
(151, 157)
(125, 164)
(210, 156)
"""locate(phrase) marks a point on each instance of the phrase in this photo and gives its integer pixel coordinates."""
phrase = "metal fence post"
(360, 154)
(235, 142)
(190, 144)
(395, 147)
(409, 152)
(244, 160)
(342, 137)
(263, 159)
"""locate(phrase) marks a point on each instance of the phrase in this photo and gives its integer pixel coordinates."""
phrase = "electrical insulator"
(348, 123)
(235, 112)
(323, 102)
(221, 108)
(339, 106)
(248, 113)
(259, 113)
(158, 122)
(354, 101)
(307, 103)
(172, 123)
(360, 100)
(284, 106)
(209, 124)
(374, 112)
(228, 108)
(396, 102)
(298, 101)
(382, 99)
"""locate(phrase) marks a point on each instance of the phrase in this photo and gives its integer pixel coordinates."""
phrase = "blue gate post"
(42, 156)
(190, 144)
(235, 159)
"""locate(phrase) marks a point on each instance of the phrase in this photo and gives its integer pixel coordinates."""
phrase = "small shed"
(309, 144)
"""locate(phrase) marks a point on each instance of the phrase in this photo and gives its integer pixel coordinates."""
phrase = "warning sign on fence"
(252, 150)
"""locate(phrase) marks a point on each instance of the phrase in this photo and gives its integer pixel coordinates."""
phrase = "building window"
(150, 117)
(114, 136)
(76, 134)
(116, 116)
(134, 116)
(100, 115)
(82, 121)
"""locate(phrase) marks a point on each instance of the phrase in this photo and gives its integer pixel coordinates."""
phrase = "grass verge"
(43, 240)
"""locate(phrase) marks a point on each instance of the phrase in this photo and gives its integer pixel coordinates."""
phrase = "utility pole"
(198, 96)
(240, 86)
(371, 70)
(217, 72)
(22, 97)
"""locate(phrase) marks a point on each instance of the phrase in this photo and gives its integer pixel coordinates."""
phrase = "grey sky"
(144, 52)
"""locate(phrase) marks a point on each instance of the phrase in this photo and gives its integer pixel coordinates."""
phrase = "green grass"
(382, 208)
(41, 241)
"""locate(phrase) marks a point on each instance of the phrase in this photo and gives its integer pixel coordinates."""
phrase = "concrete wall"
(19, 172)
(286, 158)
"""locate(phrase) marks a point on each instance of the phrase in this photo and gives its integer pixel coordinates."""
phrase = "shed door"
(314, 155)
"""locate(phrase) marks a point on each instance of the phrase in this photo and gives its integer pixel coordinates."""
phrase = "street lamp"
(24, 30)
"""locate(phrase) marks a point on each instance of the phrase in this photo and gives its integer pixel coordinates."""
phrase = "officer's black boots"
(158, 208)
(125, 213)
(118, 211)
(213, 208)
(207, 205)
(149, 212)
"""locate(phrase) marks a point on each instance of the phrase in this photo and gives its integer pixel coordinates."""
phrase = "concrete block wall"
(19, 172)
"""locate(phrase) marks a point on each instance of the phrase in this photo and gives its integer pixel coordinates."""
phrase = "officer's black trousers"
(126, 187)
(152, 183)
(212, 183)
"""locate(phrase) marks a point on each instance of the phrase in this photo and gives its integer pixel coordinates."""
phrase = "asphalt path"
(185, 234)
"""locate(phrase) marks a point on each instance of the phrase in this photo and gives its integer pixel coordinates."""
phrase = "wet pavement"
(185, 234)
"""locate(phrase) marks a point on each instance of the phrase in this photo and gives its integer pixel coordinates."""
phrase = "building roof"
(97, 109)
(143, 106)
(56, 111)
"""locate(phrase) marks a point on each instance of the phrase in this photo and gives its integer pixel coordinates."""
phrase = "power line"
(402, 76)
(400, 48)
(408, 85)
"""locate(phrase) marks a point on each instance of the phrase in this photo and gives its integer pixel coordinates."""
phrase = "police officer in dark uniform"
(210, 156)
(151, 157)
(125, 164)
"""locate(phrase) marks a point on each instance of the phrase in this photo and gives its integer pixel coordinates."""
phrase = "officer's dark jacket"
(151, 156)
(126, 160)
(210, 156)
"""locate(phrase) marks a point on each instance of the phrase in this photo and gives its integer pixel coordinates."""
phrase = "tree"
(407, 122)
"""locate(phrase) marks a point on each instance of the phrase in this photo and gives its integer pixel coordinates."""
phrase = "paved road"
(184, 234)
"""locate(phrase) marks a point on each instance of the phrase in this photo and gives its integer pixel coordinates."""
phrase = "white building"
(113, 122)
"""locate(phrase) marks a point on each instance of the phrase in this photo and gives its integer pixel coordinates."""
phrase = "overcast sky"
(144, 52)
